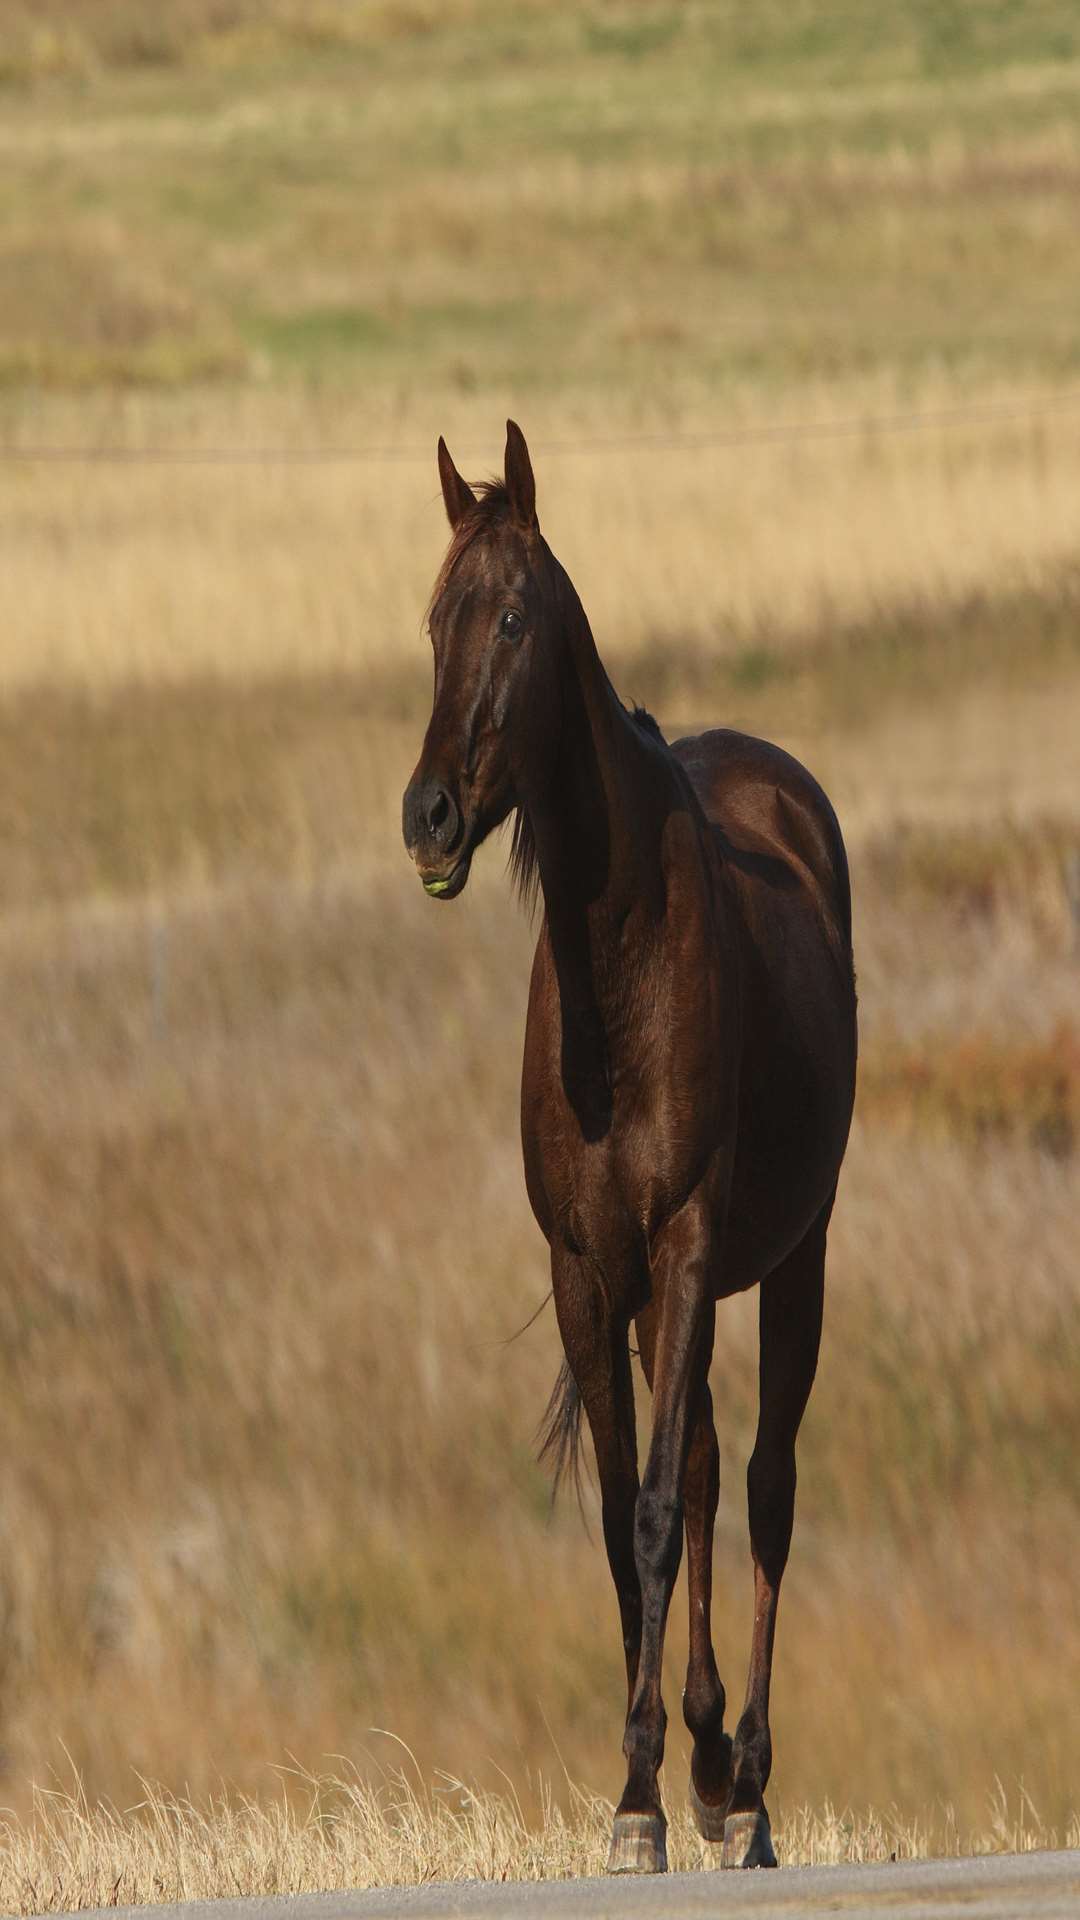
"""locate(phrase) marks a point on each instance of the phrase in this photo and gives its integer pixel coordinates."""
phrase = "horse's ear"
(457, 494)
(518, 474)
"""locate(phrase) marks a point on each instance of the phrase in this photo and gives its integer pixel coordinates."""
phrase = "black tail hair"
(559, 1434)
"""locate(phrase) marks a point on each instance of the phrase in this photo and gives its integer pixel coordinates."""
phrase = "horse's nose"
(431, 815)
(438, 808)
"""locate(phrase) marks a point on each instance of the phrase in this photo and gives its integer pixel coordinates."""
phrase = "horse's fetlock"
(752, 1727)
(704, 1702)
(646, 1729)
(752, 1761)
(648, 1713)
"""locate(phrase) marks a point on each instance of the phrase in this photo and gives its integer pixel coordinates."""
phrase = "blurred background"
(786, 299)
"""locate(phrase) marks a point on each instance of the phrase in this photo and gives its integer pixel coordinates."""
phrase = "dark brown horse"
(687, 1090)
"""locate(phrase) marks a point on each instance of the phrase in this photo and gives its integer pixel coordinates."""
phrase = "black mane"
(523, 864)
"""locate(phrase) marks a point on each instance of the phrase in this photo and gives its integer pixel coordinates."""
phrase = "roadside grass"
(338, 1830)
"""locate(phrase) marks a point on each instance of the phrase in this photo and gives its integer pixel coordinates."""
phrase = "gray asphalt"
(1003, 1886)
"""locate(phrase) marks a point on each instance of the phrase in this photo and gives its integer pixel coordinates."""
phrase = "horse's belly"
(762, 1230)
(787, 1161)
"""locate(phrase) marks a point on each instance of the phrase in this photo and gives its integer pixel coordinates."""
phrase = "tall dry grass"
(342, 1830)
(121, 572)
(269, 1471)
(267, 1444)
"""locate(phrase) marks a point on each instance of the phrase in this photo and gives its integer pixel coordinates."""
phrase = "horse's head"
(492, 626)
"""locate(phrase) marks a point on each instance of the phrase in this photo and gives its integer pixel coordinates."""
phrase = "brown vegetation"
(715, 575)
(238, 1492)
(975, 1088)
(346, 1830)
(261, 1429)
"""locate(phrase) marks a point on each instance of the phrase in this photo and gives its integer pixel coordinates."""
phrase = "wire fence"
(790, 433)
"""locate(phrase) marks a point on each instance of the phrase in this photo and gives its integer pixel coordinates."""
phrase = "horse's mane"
(523, 862)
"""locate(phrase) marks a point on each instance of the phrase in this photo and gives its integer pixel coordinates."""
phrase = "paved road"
(1005, 1886)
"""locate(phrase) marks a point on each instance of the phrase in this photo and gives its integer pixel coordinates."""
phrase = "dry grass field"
(268, 1443)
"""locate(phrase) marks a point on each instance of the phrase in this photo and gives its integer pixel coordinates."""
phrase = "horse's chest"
(594, 1200)
(614, 1115)
(599, 1189)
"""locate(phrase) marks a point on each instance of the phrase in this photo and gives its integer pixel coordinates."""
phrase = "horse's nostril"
(440, 815)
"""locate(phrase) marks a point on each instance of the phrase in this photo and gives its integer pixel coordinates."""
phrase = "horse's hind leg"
(703, 1695)
(790, 1321)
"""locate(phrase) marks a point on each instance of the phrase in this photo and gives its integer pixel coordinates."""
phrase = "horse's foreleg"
(684, 1327)
(790, 1322)
(703, 1696)
(597, 1351)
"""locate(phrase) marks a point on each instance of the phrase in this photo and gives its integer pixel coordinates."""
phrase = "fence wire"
(867, 426)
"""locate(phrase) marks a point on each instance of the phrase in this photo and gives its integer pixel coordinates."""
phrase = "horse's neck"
(597, 822)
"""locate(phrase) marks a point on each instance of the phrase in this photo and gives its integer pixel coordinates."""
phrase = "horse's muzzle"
(433, 829)
(447, 886)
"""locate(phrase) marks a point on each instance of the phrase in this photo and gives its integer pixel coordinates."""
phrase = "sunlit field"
(714, 556)
(786, 312)
(270, 1471)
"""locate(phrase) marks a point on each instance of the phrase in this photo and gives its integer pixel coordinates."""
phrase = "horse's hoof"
(709, 1821)
(638, 1844)
(747, 1841)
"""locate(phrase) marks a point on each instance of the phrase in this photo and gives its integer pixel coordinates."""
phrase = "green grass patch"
(318, 333)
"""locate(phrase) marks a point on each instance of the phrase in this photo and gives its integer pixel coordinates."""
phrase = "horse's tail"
(559, 1433)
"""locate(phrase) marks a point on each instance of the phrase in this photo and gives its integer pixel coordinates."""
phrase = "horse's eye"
(511, 623)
